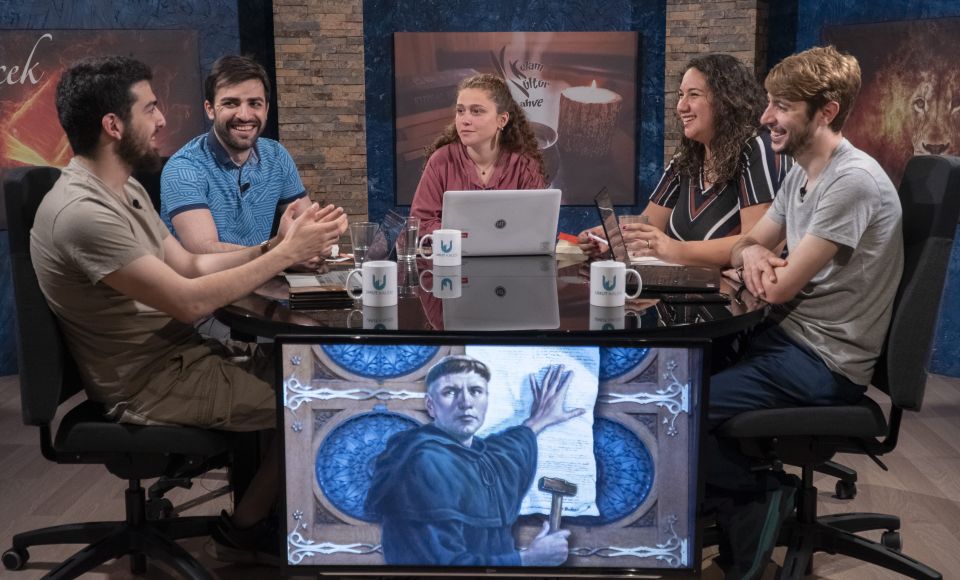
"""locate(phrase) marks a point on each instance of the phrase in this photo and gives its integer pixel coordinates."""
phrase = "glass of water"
(362, 236)
(633, 219)
(407, 239)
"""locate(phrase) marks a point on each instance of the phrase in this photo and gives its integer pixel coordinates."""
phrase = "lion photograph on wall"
(910, 100)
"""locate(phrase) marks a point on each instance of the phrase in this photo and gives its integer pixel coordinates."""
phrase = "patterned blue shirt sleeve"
(183, 186)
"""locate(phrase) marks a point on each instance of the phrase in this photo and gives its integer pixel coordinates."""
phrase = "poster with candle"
(578, 91)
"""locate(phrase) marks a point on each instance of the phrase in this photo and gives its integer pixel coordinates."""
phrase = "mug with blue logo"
(446, 281)
(446, 247)
(608, 283)
(378, 283)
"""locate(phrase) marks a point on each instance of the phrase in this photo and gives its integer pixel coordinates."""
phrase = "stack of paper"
(316, 291)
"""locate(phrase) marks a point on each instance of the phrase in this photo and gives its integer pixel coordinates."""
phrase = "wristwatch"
(264, 247)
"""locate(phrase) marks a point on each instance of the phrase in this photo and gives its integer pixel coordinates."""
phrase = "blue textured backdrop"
(219, 34)
(810, 16)
(381, 18)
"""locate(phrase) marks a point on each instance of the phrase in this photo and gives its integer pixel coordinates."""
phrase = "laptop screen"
(611, 227)
(504, 222)
(485, 455)
(656, 278)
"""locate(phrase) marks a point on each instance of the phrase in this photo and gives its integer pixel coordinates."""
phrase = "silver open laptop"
(515, 293)
(506, 222)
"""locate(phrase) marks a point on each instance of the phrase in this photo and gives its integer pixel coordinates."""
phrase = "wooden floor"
(922, 486)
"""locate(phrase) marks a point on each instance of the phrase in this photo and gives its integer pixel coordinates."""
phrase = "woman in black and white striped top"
(723, 175)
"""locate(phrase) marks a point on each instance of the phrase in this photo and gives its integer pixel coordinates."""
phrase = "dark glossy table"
(496, 298)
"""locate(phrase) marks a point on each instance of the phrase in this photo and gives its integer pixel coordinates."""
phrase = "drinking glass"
(362, 236)
(407, 239)
(408, 277)
(633, 219)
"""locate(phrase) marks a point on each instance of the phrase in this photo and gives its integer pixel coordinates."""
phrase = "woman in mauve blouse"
(489, 145)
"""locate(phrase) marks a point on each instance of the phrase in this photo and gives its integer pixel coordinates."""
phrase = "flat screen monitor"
(490, 455)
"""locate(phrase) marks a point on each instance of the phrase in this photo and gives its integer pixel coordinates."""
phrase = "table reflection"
(528, 294)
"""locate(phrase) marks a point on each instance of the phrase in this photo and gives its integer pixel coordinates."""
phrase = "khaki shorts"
(212, 385)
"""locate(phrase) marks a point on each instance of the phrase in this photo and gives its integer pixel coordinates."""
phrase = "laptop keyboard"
(675, 279)
(660, 275)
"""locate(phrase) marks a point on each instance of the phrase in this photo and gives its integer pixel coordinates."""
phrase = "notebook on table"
(504, 222)
(375, 485)
(656, 278)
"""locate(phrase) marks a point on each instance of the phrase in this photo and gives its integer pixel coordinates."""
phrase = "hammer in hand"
(557, 488)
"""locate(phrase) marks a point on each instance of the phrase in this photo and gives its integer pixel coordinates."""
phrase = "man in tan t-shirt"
(126, 292)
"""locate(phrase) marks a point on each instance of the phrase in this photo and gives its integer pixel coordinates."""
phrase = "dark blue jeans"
(774, 371)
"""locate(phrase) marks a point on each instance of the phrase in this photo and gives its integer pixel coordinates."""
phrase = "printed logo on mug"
(608, 283)
(446, 281)
(607, 317)
(375, 317)
(378, 283)
(446, 247)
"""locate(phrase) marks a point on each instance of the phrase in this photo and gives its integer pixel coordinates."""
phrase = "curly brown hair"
(738, 102)
(517, 135)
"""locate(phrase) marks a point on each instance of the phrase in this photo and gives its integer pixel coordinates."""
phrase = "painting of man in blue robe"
(444, 497)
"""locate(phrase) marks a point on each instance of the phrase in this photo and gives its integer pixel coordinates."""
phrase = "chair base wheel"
(14, 559)
(845, 490)
(159, 509)
(891, 539)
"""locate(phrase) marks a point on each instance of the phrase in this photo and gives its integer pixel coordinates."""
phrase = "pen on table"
(597, 238)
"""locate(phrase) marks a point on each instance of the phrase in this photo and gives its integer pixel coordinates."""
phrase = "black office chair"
(48, 378)
(150, 180)
(810, 436)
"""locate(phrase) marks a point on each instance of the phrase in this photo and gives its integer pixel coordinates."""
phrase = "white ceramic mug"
(376, 317)
(446, 281)
(608, 283)
(378, 283)
(446, 247)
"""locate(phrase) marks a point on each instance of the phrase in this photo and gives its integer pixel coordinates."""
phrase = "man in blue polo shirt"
(221, 191)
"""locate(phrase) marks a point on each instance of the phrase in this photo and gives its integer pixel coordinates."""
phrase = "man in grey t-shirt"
(833, 295)
(127, 293)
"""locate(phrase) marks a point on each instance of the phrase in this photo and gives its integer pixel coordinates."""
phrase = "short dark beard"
(139, 156)
(800, 144)
(228, 141)
(805, 138)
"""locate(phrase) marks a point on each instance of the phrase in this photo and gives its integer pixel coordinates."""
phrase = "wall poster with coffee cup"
(577, 89)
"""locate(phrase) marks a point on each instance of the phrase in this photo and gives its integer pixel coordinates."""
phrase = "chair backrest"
(150, 180)
(47, 373)
(930, 197)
